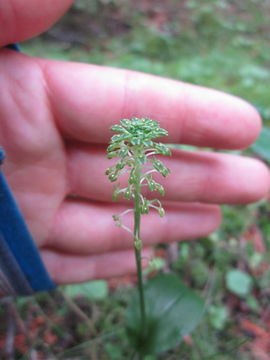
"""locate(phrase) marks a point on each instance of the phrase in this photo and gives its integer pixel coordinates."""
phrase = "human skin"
(54, 126)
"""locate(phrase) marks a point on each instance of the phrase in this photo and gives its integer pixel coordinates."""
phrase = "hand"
(54, 126)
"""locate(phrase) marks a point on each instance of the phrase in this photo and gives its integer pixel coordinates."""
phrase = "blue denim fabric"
(19, 240)
(13, 47)
(13, 281)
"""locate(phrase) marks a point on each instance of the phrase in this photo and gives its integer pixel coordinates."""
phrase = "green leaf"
(253, 304)
(239, 282)
(262, 145)
(94, 290)
(218, 316)
(113, 351)
(155, 264)
(172, 312)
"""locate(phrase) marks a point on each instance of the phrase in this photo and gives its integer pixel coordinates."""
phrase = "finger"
(68, 269)
(85, 228)
(195, 176)
(22, 19)
(88, 99)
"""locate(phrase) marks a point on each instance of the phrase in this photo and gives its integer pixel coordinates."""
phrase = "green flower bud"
(113, 177)
(160, 189)
(113, 154)
(151, 183)
(132, 178)
(161, 212)
(148, 143)
(145, 207)
(162, 149)
(115, 195)
(125, 122)
(120, 165)
(136, 141)
(112, 147)
(142, 159)
(128, 194)
(116, 138)
(123, 152)
(118, 128)
(138, 244)
(158, 165)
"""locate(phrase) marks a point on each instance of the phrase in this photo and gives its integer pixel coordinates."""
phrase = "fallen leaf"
(50, 338)
(260, 345)
(20, 343)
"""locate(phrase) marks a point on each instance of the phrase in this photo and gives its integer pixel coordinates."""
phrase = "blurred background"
(223, 44)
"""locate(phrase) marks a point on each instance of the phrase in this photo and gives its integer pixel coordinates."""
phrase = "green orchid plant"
(137, 151)
(164, 310)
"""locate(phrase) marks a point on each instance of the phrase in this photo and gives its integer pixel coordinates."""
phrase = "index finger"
(88, 99)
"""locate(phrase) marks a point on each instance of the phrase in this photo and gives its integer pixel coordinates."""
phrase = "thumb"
(23, 19)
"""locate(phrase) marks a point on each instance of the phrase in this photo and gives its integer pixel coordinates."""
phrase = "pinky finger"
(68, 269)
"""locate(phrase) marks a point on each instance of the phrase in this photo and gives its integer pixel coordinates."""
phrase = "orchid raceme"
(136, 150)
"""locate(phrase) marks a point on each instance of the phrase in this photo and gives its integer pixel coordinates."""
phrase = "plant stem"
(138, 242)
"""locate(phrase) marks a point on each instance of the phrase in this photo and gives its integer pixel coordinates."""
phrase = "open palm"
(54, 126)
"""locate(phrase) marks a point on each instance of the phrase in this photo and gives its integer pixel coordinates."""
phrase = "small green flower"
(158, 165)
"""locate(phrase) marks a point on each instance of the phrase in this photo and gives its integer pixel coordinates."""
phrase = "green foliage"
(218, 316)
(239, 282)
(262, 145)
(200, 272)
(173, 311)
(237, 217)
(264, 281)
(155, 264)
(94, 290)
(113, 351)
(253, 304)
